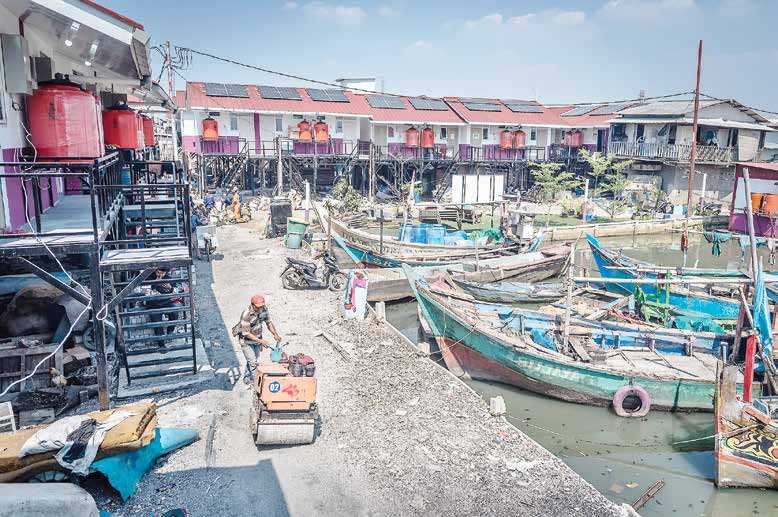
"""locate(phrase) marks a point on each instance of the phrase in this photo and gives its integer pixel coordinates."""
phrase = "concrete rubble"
(399, 434)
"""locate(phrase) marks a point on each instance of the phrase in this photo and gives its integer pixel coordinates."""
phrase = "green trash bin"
(296, 225)
(294, 240)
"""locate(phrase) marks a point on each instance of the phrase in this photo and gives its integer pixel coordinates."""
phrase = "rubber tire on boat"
(624, 392)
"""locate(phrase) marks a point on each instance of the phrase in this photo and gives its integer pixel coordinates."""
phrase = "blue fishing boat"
(613, 265)
(499, 347)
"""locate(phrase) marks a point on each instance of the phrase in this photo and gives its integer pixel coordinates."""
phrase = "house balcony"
(673, 152)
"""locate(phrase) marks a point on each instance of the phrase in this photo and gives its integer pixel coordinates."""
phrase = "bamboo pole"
(750, 221)
(569, 304)
(662, 281)
(693, 156)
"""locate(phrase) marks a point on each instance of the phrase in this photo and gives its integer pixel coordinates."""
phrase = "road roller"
(283, 410)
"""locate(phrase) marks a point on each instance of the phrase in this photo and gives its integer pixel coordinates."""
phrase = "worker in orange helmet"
(249, 331)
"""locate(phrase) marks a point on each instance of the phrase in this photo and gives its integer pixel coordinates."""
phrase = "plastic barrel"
(295, 225)
(294, 240)
(770, 204)
(756, 201)
(126, 176)
(436, 234)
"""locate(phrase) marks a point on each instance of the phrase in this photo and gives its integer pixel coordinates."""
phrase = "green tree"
(551, 179)
(603, 167)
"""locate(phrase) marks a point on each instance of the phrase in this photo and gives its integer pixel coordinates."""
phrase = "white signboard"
(477, 189)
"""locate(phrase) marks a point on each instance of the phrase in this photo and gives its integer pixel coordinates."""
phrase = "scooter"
(300, 274)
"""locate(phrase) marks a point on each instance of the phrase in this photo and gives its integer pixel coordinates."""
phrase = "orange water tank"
(756, 201)
(210, 130)
(574, 138)
(770, 204)
(427, 138)
(148, 131)
(519, 139)
(506, 139)
(304, 130)
(120, 125)
(412, 137)
(63, 120)
(321, 131)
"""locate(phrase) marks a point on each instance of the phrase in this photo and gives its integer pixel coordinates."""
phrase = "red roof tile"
(112, 14)
(549, 116)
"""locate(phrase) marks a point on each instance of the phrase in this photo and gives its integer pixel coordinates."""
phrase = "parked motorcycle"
(300, 274)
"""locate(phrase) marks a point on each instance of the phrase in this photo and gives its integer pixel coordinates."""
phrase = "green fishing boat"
(480, 345)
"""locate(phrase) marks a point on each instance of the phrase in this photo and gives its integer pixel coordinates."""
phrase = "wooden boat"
(590, 319)
(376, 251)
(616, 261)
(746, 448)
(390, 284)
(716, 307)
(480, 345)
(513, 292)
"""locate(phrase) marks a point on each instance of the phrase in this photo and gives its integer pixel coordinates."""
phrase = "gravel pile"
(399, 434)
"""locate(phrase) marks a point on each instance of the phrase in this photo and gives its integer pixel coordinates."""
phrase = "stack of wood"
(131, 434)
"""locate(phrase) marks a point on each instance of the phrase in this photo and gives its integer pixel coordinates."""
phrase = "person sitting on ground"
(250, 334)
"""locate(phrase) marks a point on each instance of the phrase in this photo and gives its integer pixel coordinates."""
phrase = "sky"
(551, 50)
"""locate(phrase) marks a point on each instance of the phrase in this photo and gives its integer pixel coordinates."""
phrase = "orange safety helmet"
(258, 300)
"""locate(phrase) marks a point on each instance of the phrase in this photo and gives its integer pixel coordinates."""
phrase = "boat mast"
(692, 157)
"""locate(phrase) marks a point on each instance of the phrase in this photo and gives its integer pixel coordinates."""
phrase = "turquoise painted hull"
(553, 375)
(715, 307)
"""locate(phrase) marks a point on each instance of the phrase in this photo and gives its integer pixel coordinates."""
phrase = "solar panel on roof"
(482, 106)
(236, 90)
(279, 92)
(384, 101)
(610, 109)
(215, 90)
(579, 110)
(428, 104)
(523, 107)
(327, 95)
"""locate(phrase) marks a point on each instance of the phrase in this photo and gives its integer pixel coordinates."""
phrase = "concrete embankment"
(399, 435)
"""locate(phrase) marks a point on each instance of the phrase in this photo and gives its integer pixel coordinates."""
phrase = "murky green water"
(623, 457)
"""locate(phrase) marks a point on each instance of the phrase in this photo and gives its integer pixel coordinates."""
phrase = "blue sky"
(553, 50)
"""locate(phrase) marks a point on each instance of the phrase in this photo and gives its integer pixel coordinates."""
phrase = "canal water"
(623, 457)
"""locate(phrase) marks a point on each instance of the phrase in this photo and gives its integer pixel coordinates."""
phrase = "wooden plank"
(580, 349)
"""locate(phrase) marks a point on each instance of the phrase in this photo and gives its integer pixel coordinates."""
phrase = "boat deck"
(647, 363)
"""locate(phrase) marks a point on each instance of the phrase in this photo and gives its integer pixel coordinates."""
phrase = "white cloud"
(340, 14)
(386, 11)
(290, 6)
(489, 20)
(420, 44)
(547, 17)
(646, 10)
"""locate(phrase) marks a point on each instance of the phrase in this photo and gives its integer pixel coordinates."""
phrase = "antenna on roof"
(642, 96)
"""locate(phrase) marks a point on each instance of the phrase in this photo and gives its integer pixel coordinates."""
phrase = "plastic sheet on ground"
(125, 470)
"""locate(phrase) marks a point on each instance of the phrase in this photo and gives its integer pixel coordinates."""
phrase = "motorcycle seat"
(301, 263)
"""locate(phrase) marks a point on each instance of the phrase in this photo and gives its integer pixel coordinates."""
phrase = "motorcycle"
(300, 274)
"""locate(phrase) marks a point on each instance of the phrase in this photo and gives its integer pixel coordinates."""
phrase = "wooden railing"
(674, 152)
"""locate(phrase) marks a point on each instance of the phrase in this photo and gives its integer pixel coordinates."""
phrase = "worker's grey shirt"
(251, 320)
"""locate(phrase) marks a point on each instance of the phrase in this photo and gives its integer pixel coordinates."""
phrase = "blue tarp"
(123, 471)
(762, 317)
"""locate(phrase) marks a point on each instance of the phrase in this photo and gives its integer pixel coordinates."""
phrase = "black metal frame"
(109, 198)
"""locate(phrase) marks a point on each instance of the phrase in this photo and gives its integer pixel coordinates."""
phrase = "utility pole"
(371, 172)
(171, 91)
(692, 157)
(279, 167)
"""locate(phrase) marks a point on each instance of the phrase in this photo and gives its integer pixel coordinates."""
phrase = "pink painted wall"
(15, 194)
(191, 144)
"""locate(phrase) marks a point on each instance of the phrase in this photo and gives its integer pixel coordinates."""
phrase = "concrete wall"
(719, 182)
(747, 144)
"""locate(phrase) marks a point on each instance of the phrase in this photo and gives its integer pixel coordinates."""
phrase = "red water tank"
(427, 138)
(574, 139)
(321, 131)
(141, 132)
(519, 139)
(210, 130)
(506, 139)
(412, 137)
(304, 131)
(148, 131)
(99, 119)
(63, 120)
(120, 125)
